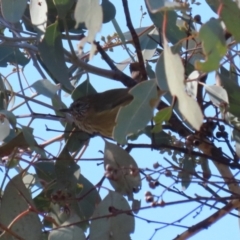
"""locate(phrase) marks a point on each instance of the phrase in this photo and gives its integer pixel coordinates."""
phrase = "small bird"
(96, 113)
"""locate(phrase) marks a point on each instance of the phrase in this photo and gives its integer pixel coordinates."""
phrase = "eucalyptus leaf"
(28, 135)
(51, 52)
(174, 34)
(45, 87)
(229, 14)
(84, 89)
(67, 171)
(89, 196)
(236, 138)
(72, 232)
(192, 84)
(188, 170)
(12, 55)
(38, 13)
(135, 116)
(10, 116)
(63, 6)
(89, 12)
(217, 94)
(120, 226)
(109, 11)
(214, 45)
(4, 128)
(174, 70)
(13, 10)
(27, 227)
(127, 178)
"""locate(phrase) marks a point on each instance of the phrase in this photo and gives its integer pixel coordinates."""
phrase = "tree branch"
(209, 221)
(135, 40)
(115, 75)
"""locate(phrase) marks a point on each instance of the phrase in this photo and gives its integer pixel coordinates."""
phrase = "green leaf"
(136, 206)
(75, 138)
(27, 132)
(151, 74)
(15, 139)
(122, 37)
(63, 6)
(233, 74)
(163, 5)
(229, 14)
(159, 138)
(76, 74)
(13, 10)
(214, 45)
(186, 174)
(119, 32)
(12, 55)
(109, 11)
(12, 163)
(128, 36)
(173, 33)
(162, 79)
(161, 75)
(205, 168)
(213, 4)
(84, 89)
(233, 93)
(67, 171)
(4, 128)
(135, 116)
(57, 214)
(148, 45)
(157, 128)
(10, 116)
(71, 232)
(45, 170)
(119, 227)
(51, 52)
(45, 87)
(4, 98)
(89, 196)
(163, 115)
(42, 202)
(13, 204)
(58, 104)
(125, 176)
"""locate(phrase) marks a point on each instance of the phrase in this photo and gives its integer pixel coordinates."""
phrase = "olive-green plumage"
(97, 113)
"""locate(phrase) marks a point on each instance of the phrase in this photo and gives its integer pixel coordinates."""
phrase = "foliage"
(174, 110)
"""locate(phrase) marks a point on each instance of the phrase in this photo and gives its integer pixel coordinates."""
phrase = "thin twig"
(105, 56)
(118, 76)
(218, 159)
(135, 39)
(31, 99)
(21, 87)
